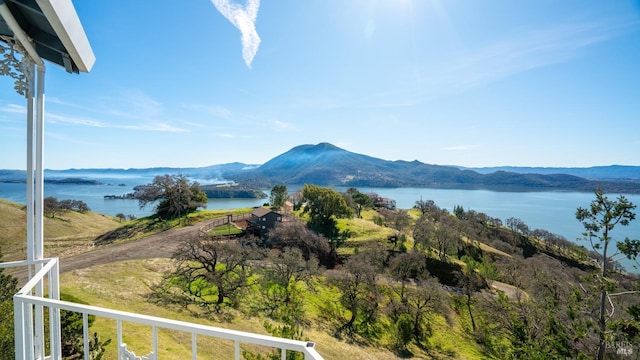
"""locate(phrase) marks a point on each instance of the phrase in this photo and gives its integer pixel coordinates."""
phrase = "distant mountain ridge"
(328, 165)
(610, 172)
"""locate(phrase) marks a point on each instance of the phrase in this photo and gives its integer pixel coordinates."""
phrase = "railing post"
(237, 350)
(54, 314)
(18, 328)
(38, 330)
(28, 331)
(194, 346)
(119, 337)
(85, 333)
(155, 341)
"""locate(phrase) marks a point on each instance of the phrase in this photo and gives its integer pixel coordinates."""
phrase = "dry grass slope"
(66, 234)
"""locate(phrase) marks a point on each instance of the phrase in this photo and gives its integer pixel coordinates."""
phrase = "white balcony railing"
(29, 306)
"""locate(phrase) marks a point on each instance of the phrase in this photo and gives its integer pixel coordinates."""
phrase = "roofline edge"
(64, 20)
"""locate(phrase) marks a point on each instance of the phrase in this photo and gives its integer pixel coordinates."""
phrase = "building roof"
(261, 211)
(55, 29)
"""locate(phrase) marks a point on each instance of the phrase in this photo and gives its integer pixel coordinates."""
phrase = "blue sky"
(470, 83)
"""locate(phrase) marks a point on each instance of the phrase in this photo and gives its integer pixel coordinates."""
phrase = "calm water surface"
(93, 196)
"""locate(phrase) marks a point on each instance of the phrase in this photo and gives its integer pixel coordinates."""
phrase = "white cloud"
(281, 125)
(60, 119)
(151, 126)
(243, 18)
(14, 109)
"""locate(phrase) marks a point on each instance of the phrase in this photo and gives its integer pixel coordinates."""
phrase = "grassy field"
(68, 233)
(227, 229)
(126, 286)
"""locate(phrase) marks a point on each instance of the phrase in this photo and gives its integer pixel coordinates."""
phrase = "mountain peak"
(305, 156)
(321, 147)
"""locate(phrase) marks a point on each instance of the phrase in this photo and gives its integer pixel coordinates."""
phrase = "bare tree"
(426, 297)
(517, 225)
(51, 206)
(445, 236)
(296, 234)
(407, 266)
(283, 274)
(470, 282)
(425, 206)
(360, 294)
(422, 233)
(211, 272)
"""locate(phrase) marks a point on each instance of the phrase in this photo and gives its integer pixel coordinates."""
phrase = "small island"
(233, 191)
(73, 181)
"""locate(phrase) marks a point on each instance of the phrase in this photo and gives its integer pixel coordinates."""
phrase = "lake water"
(552, 210)
(93, 196)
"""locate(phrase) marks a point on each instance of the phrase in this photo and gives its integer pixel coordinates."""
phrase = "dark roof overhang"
(54, 29)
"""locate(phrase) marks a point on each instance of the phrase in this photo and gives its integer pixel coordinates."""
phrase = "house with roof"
(262, 220)
(379, 201)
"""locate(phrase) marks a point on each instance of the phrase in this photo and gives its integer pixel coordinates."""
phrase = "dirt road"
(160, 245)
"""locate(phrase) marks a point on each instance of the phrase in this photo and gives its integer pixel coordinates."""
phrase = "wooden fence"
(222, 221)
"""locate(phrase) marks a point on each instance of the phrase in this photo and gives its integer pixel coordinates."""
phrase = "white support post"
(30, 169)
(39, 207)
(39, 184)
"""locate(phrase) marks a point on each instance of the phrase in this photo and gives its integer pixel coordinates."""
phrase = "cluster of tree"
(236, 191)
(553, 304)
(175, 194)
(52, 206)
(122, 216)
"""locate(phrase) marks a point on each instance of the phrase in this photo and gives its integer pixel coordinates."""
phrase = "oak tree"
(324, 206)
(177, 196)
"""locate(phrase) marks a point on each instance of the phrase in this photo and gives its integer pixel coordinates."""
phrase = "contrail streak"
(243, 18)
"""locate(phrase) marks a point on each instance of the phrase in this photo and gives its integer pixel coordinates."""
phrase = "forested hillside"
(408, 283)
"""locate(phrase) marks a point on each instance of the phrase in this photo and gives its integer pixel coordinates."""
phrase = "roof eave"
(64, 20)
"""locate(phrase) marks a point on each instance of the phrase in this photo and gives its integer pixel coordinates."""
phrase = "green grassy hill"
(68, 233)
